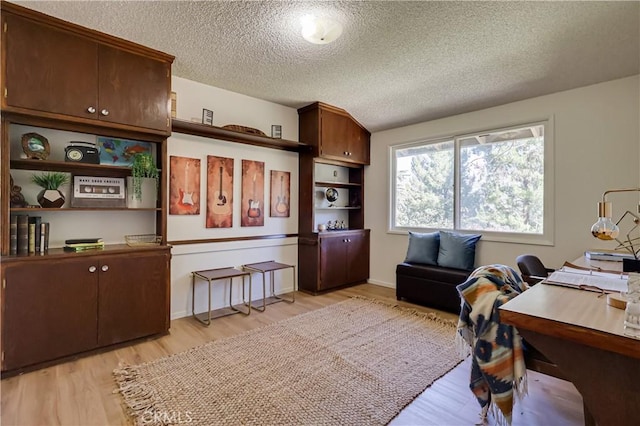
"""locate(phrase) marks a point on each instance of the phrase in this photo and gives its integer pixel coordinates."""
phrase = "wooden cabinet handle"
(92, 269)
(105, 268)
(104, 112)
(91, 110)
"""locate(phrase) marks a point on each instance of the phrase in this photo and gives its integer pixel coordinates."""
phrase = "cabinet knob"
(105, 268)
(91, 110)
(345, 153)
(104, 112)
(92, 269)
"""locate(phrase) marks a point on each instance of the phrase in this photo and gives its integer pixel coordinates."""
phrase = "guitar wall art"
(252, 209)
(219, 192)
(280, 193)
(184, 186)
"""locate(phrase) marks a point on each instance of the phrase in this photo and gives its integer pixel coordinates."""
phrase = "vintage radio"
(82, 152)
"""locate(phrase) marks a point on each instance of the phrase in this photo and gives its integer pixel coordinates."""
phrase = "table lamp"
(605, 229)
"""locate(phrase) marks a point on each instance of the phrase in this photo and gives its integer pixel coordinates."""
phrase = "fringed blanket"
(498, 366)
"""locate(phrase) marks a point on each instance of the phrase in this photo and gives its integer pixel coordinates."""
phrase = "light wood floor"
(80, 392)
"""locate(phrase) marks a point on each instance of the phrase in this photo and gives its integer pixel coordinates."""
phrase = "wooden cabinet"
(85, 76)
(60, 306)
(57, 78)
(333, 133)
(333, 259)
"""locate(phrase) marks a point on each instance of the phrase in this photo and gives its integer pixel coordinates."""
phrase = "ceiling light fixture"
(320, 30)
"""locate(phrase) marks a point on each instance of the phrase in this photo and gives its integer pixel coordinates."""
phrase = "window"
(498, 183)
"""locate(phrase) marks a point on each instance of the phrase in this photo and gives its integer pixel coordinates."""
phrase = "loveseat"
(435, 264)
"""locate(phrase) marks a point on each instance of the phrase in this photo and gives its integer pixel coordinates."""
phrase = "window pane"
(502, 181)
(424, 186)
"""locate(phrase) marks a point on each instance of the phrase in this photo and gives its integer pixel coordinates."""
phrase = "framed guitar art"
(184, 186)
(280, 193)
(219, 192)
(252, 209)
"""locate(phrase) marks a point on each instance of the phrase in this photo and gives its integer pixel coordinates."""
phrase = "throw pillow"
(457, 250)
(423, 248)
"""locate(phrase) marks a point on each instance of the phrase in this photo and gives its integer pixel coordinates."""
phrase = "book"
(586, 279)
(610, 255)
(44, 237)
(79, 249)
(13, 235)
(86, 245)
(32, 238)
(36, 220)
(83, 241)
(23, 234)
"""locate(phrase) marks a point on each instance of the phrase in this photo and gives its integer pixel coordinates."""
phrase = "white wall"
(230, 108)
(597, 147)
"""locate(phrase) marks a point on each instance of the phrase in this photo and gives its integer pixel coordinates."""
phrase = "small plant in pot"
(50, 196)
(143, 183)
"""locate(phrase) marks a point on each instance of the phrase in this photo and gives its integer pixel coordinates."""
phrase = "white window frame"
(547, 236)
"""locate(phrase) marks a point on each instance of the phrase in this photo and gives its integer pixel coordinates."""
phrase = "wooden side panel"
(308, 260)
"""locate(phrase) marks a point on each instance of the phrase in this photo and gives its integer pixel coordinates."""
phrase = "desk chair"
(532, 269)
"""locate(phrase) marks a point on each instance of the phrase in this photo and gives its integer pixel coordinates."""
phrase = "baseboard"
(381, 283)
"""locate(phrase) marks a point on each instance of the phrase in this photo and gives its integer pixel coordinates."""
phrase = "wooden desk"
(584, 337)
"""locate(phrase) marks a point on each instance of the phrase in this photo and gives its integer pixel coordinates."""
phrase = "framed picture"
(207, 117)
(120, 152)
(184, 186)
(280, 193)
(35, 146)
(276, 131)
(252, 208)
(219, 192)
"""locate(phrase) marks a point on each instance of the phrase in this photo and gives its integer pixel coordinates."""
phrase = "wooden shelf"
(339, 208)
(71, 167)
(213, 132)
(76, 209)
(339, 184)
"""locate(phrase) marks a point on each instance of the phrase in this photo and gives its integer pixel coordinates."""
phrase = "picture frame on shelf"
(121, 152)
(207, 117)
(276, 131)
(97, 191)
(35, 146)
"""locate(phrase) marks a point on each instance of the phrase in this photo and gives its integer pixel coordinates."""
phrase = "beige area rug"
(358, 362)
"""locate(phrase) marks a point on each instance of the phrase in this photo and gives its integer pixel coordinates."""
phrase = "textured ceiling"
(396, 63)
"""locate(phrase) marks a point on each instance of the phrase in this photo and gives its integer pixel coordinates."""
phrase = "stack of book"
(28, 234)
(84, 244)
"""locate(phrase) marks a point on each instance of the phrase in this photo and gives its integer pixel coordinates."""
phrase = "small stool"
(211, 275)
(271, 266)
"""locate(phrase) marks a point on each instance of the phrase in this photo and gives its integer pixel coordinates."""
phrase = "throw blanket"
(497, 360)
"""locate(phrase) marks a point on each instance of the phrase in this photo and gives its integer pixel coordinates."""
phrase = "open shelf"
(214, 132)
(71, 167)
(339, 208)
(338, 184)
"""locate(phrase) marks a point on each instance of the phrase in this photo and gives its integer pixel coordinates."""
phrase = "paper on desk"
(576, 277)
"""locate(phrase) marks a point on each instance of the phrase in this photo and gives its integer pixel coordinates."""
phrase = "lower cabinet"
(52, 308)
(333, 259)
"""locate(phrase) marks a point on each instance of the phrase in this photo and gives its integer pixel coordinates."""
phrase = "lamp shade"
(604, 228)
(320, 30)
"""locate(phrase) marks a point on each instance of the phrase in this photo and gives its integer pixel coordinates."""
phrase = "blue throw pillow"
(423, 248)
(457, 250)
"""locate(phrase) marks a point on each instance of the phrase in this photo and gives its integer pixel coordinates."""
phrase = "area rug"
(357, 362)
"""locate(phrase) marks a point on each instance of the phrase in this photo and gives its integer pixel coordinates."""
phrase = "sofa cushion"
(457, 250)
(423, 248)
(434, 273)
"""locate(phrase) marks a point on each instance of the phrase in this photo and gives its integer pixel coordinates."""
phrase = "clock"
(82, 152)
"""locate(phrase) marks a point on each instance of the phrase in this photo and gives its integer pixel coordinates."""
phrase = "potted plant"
(143, 182)
(50, 196)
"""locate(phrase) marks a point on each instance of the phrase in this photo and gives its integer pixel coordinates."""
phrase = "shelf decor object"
(143, 182)
(143, 240)
(605, 229)
(35, 146)
(244, 129)
(50, 196)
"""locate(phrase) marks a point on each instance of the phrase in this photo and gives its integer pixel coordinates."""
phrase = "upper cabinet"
(334, 134)
(88, 77)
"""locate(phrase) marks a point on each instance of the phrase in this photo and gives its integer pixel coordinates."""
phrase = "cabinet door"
(50, 310)
(358, 258)
(133, 89)
(49, 70)
(334, 131)
(358, 144)
(333, 251)
(132, 296)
